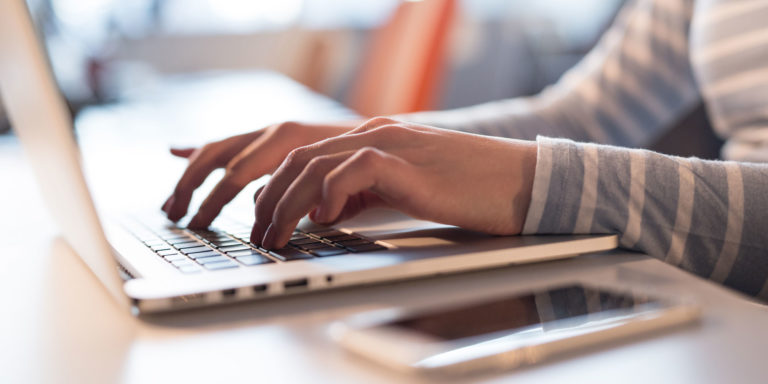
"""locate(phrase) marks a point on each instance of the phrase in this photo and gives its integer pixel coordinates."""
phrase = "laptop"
(149, 264)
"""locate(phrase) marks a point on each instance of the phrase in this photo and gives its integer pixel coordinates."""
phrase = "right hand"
(245, 157)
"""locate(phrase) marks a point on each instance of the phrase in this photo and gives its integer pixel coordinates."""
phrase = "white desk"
(59, 325)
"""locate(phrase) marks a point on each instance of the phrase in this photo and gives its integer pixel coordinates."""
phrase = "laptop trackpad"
(402, 231)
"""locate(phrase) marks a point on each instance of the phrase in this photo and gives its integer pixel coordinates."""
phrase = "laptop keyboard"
(215, 249)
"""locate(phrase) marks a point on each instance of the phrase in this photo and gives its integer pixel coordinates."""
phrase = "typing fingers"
(382, 136)
(250, 164)
(301, 197)
(197, 171)
(202, 162)
(391, 178)
(332, 182)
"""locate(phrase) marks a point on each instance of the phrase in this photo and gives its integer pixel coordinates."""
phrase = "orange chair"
(404, 63)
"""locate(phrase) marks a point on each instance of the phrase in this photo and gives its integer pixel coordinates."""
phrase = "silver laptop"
(149, 264)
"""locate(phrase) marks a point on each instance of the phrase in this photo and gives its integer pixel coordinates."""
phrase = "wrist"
(525, 171)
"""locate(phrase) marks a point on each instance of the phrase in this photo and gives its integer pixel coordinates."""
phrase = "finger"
(393, 179)
(383, 137)
(354, 205)
(224, 191)
(167, 204)
(299, 199)
(258, 192)
(201, 163)
(197, 171)
(183, 152)
(250, 164)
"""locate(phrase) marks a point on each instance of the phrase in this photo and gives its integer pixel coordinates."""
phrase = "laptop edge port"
(229, 293)
(292, 285)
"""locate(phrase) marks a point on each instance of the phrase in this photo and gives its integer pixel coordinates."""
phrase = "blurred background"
(375, 56)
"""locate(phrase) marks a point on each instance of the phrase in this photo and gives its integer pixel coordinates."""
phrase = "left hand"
(475, 182)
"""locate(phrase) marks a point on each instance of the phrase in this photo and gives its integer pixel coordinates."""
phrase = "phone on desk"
(506, 332)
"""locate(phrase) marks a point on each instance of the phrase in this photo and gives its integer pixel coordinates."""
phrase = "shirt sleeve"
(707, 217)
(636, 83)
(729, 53)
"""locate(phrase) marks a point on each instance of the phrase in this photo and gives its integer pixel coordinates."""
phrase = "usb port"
(295, 284)
(229, 292)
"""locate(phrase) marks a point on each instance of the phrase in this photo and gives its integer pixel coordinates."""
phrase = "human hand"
(246, 158)
(476, 182)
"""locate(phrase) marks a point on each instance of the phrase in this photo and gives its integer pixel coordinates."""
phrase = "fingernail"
(168, 204)
(320, 214)
(269, 235)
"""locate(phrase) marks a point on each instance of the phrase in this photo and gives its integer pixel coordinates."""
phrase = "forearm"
(704, 216)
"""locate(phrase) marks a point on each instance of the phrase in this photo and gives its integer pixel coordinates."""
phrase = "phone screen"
(544, 307)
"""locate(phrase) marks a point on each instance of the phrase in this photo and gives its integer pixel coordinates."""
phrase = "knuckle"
(331, 183)
(296, 156)
(316, 164)
(392, 133)
(235, 166)
(288, 127)
(392, 130)
(236, 174)
(237, 180)
(368, 156)
(373, 123)
(208, 147)
(379, 120)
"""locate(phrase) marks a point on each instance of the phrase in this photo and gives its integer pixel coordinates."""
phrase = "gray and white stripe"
(661, 58)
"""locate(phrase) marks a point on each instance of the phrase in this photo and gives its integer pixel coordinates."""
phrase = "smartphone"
(508, 331)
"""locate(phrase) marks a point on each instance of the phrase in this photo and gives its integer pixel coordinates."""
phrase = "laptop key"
(329, 233)
(344, 237)
(175, 257)
(181, 240)
(254, 260)
(176, 238)
(153, 242)
(215, 238)
(247, 252)
(298, 236)
(158, 248)
(189, 251)
(211, 259)
(306, 240)
(188, 244)
(240, 247)
(330, 251)
(221, 265)
(289, 254)
(226, 243)
(203, 254)
(311, 246)
(167, 252)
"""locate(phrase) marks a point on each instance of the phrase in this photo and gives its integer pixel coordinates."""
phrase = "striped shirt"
(659, 60)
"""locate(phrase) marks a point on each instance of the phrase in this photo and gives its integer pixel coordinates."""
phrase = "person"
(560, 162)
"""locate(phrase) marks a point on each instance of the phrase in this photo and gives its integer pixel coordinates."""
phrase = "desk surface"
(59, 325)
